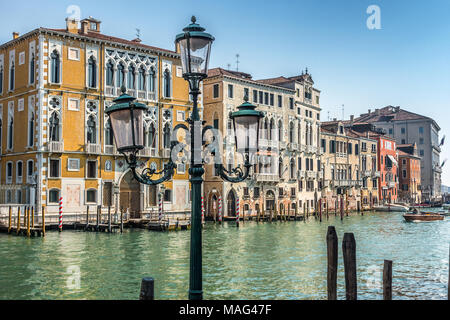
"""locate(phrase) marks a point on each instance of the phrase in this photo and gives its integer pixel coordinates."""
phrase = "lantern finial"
(193, 19)
(246, 97)
(123, 89)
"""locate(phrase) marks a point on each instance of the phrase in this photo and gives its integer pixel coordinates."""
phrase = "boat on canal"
(417, 215)
(392, 208)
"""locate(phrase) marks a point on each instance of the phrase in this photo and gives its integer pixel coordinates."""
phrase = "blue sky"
(405, 63)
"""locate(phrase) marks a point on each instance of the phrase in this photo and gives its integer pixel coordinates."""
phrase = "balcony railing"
(391, 185)
(264, 177)
(320, 175)
(310, 149)
(166, 153)
(367, 173)
(56, 146)
(148, 152)
(110, 149)
(376, 174)
(346, 183)
(283, 145)
(311, 174)
(109, 91)
(92, 148)
(301, 174)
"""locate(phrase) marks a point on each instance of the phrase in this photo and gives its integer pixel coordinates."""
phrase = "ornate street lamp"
(127, 125)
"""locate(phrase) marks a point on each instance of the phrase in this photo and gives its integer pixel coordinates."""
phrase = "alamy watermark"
(73, 281)
(374, 20)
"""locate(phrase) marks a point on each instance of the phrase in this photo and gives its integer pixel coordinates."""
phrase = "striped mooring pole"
(203, 211)
(220, 209)
(237, 212)
(60, 214)
(160, 208)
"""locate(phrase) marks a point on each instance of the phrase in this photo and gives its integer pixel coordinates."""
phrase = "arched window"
(10, 133)
(32, 71)
(110, 74)
(292, 167)
(299, 131)
(131, 78)
(141, 79)
(271, 129)
(92, 74)
(31, 130)
(280, 169)
(109, 140)
(167, 88)
(54, 127)
(151, 80)
(266, 129)
(91, 130)
(1, 79)
(280, 130)
(30, 168)
(11, 77)
(166, 136)
(120, 75)
(150, 136)
(291, 132)
(55, 67)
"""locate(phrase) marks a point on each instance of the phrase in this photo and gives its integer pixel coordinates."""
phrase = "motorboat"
(392, 208)
(417, 215)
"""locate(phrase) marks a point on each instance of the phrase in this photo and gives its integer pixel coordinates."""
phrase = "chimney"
(72, 25)
(397, 108)
(84, 27)
(137, 40)
(15, 35)
(377, 112)
(352, 118)
(370, 111)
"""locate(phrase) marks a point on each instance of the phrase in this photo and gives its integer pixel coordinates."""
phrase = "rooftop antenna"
(328, 115)
(237, 62)
(343, 113)
(138, 33)
(228, 66)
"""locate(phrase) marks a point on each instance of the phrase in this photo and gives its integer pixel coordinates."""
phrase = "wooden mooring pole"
(32, 216)
(9, 219)
(121, 220)
(109, 219)
(18, 220)
(28, 222)
(87, 217)
(349, 253)
(387, 280)
(332, 253)
(98, 216)
(147, 289)
(43, 221)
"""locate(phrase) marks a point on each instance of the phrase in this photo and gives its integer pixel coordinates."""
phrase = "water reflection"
(282, 260)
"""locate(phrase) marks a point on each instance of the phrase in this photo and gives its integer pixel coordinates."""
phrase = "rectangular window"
(261, 96)
(74, 54)
(73, 104)
(53, 196)
(73, 164)
(421, 130)
(266, 98)
(255, 96)
(421, 153)
(230, 91)
(247, 93)
(54, 168)
(180, 116)
(272, 97)
(91, 169)
(291, 103)
(420, 140)
(356, 149)
(323, 144)
(168, 195)
(350, 148)
(391, 131)
(280, 101)
(9, 172)
(256, 192)
(403, 130)
(215, 91)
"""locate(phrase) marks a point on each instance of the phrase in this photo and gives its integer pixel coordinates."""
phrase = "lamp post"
(126, 121)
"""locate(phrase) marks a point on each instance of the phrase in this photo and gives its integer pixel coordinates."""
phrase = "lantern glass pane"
(121, 125)
(246, 131)
(139, 128)
(199, 50)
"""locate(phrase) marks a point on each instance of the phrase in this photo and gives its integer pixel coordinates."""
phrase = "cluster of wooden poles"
(349, 254)
(29, 229)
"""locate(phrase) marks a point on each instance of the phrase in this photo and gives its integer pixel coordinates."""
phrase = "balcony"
(311, 174)
(282, 145)
(376, 174)
(110, 149)
(92, 148)
(148, 152)
(391, 185)
(320, 175)
(310, 149)
(345, 183)
(264, 177)
(292, 146)
(367, 173)
(56, 146)
(109, 91)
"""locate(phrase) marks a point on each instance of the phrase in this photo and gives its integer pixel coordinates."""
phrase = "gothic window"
(31, 130)
(266, 129)
(108, 133)
(141, 79)
(131, 79)
(271, 129)
(32, 68)
(167, 87)
(299, 133)
(110, 74)
(120, 75)
(291, 132)
(92, 73)
(54, 127)
(55, 67)
(150, 136)
(292, 167)
(11, 77)
(151, 80)
(280, 130)
(91, 130)
(166, 136)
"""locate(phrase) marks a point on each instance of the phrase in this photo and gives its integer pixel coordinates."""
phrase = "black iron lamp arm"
(236, 174)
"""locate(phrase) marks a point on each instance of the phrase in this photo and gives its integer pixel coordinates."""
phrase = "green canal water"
(280, 260)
